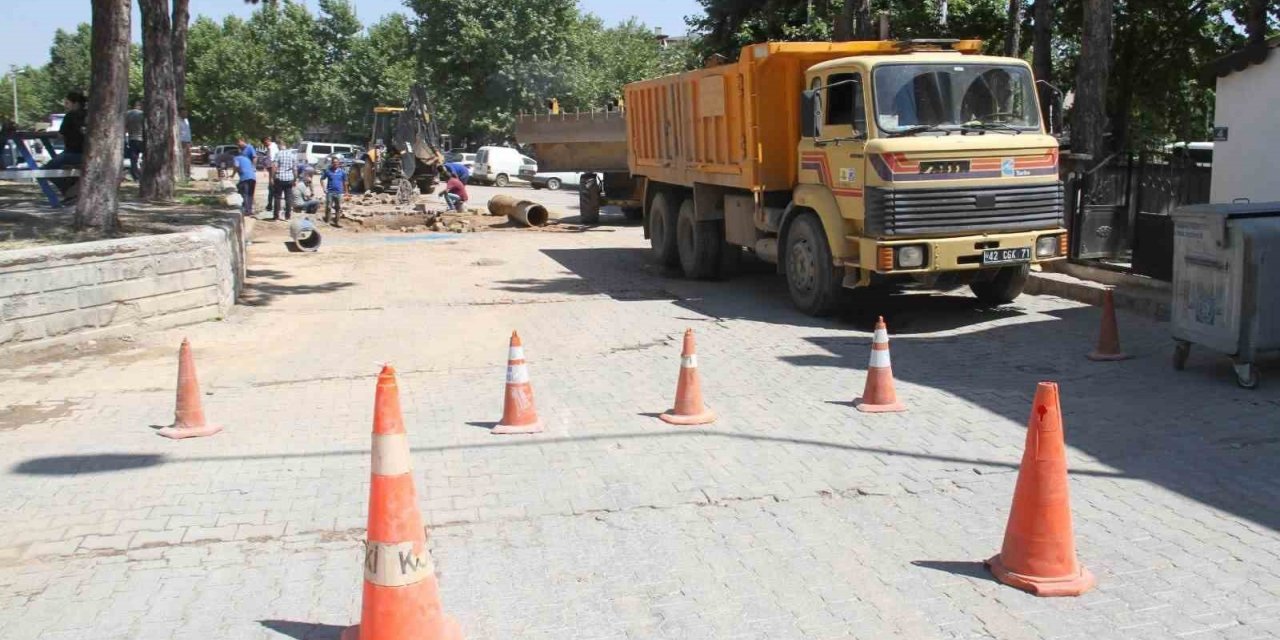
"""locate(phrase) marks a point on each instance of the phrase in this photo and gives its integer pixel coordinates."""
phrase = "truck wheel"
(811, 275)
(698, 243)
(502, 180)
(662, 231)
(1005, 287)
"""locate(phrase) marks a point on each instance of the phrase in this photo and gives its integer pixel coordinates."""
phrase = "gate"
(1098, 205)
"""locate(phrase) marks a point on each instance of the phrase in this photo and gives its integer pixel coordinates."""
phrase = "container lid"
(1232, 210)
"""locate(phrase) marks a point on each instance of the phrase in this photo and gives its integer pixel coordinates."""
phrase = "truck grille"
(920, 212)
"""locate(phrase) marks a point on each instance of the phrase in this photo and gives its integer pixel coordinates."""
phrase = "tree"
(1013, 29)
(98, 201)
(1042, 59)
(1090, 112)
(160, 99)
(181, 22)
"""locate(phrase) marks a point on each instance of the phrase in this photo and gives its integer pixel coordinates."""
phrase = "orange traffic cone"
(188, 417)
(401, 596)
(878, 395)
(1039, 551)
(518, 412)
(689, 409)
(1108, 334)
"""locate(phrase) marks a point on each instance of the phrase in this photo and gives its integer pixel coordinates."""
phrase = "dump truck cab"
(929, 166)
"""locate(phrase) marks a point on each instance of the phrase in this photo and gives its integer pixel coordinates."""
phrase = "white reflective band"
(880, 336)
(518, 374)
(516, 353)
(395, 564)
(391, 454)
(689, 362)
(879, 358)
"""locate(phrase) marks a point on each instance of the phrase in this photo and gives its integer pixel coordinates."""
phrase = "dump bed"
(590, 141)
(735, 125)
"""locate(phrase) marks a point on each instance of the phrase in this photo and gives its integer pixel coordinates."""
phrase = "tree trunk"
(99, 198)
(863, 29)
(181, 21)
(1089, 115)
(1013, 29)
(843, 31)
(1042, 61)
(160, 102)
(1255, 23)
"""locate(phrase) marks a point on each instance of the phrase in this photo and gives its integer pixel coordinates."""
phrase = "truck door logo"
(848, 176)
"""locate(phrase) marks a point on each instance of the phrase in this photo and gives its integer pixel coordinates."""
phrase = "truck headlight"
(911, 257)
(1046, 246)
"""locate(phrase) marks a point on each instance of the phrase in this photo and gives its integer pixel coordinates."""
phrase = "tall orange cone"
(401, 596)
(188, 417)
(1039, 551)
(689, 409)
(878, 395)
(518, 413)
(1109, 333)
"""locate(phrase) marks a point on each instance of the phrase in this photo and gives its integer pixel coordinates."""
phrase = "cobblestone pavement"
(793, 516)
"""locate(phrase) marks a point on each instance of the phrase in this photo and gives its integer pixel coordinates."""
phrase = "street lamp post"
(13, 76)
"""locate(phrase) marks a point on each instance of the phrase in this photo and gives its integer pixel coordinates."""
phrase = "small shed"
(1246, 128)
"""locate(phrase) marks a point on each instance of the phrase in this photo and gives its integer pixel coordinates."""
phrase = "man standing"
(134, 128)
(455, 193)
(73, 133)
(247, 150)
(270, 146)
(284, 168)
(184, 137)
(248, 182)
(335, 180)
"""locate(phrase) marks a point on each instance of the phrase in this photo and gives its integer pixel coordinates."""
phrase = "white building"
(1247, 125)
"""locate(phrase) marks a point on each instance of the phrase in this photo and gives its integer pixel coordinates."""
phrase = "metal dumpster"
(1226, 283)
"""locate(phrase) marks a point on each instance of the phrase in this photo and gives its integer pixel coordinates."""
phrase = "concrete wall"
(1244, 163)
(68, 293)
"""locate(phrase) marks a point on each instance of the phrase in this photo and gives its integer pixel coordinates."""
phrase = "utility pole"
(13, 76)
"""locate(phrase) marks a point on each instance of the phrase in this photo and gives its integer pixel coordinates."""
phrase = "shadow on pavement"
(304, 630)
(968, 569)
(29, 466)
(261, 294)
(95, 463)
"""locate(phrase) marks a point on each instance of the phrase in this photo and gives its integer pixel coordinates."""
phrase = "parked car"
(200, 154)
(468, 160)
(220, 150)
(498, 165)
(317, 152)
(552, 179)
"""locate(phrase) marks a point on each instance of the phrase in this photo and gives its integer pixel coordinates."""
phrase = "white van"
(498, 165)
(319, 152)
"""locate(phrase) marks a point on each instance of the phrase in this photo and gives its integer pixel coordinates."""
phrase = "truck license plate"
(1006, 256)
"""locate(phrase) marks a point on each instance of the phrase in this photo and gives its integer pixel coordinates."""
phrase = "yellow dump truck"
(849, 165)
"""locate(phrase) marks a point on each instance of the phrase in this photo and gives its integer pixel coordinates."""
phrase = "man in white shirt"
(269, 144)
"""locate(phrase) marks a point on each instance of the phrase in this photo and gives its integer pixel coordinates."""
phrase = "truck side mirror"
(810, 113)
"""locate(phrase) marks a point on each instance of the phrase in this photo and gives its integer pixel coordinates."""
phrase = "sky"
(26, 31)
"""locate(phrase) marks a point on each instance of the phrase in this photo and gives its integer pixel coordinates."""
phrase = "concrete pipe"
(304, 234)
(522, 212)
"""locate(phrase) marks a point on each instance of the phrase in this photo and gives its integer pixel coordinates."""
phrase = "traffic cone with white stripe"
(878, 395)
(188, 414)
(518, 413)
(401, 596)
(689, 409)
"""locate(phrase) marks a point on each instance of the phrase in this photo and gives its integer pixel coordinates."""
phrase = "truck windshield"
(949, 96)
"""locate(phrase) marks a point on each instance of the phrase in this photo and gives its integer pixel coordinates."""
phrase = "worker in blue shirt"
(247, 150)
(459, 170)
(248, 182)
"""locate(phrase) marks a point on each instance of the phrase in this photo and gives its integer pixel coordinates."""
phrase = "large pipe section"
(522, 212)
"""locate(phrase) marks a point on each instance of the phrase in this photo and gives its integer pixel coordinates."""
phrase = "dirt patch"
(21, 415)
(27, 221)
